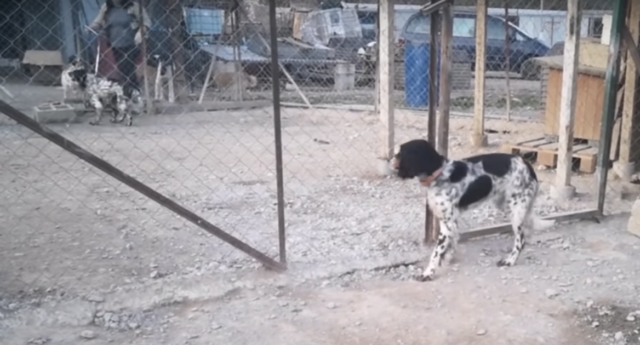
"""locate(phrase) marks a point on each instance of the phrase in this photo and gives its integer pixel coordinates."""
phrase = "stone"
(95, 297)
(633, 225)
(54, 113)
(481, 331)
(88, 334)
(551, 293)
(563, 193)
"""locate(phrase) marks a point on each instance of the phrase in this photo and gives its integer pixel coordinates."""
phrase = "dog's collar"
(427, 181)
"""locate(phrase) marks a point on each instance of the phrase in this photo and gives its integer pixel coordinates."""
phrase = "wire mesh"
(68, 226)
(204, 135)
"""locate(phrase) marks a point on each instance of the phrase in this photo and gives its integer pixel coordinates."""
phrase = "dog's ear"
(417, 158)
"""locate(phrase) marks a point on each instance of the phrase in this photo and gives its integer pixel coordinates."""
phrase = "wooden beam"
(386, 57)
(631, 47)
(507, 227)
(478, 138)
(563, 188)
(435, 6)
(625, 158)
(442, 143)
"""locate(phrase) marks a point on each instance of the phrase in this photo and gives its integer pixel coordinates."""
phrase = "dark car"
(522, 46)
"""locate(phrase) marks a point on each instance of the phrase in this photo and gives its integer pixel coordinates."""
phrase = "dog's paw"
(423, 278)
(504, 263)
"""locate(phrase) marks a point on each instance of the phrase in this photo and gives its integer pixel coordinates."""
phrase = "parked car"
(368, 21)
(522, 46)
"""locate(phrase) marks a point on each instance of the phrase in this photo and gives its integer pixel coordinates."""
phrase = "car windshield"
(401, 18)
(420, 25)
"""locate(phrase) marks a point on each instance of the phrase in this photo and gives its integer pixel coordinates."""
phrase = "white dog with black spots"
(455, 186)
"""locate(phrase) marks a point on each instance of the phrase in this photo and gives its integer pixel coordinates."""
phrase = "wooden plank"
(632, 48)
(590, 101)
(552, 109)
(568, 96)
(629, 99)
(547, 158)
(588, 164)
(478, 136)
(617, 126)
(507, 228)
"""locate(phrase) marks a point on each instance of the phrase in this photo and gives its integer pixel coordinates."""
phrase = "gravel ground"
(83, 256)
(576, 284)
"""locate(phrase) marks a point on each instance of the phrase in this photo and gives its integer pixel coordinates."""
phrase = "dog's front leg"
(444, 249)
(97, 105)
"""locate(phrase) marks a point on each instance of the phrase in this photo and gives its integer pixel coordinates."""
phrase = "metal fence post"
(611, 89)
(277, 129)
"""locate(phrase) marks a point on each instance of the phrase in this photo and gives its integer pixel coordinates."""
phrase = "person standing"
(119, 21)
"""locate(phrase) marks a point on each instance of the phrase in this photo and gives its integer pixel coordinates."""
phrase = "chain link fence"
(207, 135)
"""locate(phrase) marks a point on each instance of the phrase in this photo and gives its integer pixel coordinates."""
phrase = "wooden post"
(386, 57)
(145, 74)
(507, 53)
(442, 143)
(175, 16)
(563, 189)
(625, 166)
(478, 138)
(238, 70)
(432, 226)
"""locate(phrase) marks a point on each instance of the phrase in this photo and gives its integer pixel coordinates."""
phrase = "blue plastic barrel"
(416, 64)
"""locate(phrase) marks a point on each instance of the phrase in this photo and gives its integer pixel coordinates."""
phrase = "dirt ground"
(576, 284)
(84, 258)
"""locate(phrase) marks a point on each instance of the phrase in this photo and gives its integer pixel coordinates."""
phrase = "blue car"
(522, 46)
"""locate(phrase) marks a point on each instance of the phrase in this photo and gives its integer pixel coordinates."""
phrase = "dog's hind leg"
(520, 207)
(444, 248)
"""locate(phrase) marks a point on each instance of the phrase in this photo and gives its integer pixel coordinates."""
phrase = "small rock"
(551, 293)
(38, 341)
(154, 275)
(481, 331)
(215, 326)
(618, 336)
(630, 317)
(589, 304)
(595, 324)
(88, 334)
(94, 297)
(524, 290)
(331, 305)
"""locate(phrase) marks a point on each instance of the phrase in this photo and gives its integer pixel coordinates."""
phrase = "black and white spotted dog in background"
(74, 79)
(108, 94)
(455, 186)
(102, 93)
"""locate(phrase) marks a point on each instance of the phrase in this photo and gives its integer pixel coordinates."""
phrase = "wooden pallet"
(545, 152)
